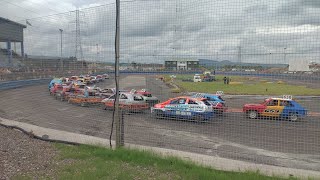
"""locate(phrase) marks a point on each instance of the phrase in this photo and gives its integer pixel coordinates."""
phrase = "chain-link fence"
(199, 76)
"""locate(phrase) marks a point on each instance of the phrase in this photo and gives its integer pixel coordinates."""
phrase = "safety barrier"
(22, 83)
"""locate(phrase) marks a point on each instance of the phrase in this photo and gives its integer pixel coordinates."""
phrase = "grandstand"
(11, 33)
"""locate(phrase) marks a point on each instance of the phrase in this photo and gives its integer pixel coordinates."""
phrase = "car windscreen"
(219, 97)
(206, 102)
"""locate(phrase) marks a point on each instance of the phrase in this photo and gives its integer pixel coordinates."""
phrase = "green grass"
(250, 85)
(100, 163)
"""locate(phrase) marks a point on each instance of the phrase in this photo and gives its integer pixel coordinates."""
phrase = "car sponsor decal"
(184, 107)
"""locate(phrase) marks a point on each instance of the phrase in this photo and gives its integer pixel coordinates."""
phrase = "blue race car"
(218, 104)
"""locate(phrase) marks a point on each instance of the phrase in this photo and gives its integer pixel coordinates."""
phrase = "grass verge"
(101, 163)
(244, 86)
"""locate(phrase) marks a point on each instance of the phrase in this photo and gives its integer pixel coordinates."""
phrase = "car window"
(220, 98)
(182, 101)
(148, 95)
(138, 98)
(174, 101)
(192, 102)
(206, 102)
(123, 96)
(178, 101)
(286, 103)
(272, 103)
(112, 97)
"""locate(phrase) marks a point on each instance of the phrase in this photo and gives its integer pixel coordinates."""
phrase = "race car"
(69, 91)
(147, 96)
(218, 104)
(184, 107)
(87, 98)
(56, 87)
(105, 76)
(99, 78)
(127, 101)
(276, 107)
(53, 82)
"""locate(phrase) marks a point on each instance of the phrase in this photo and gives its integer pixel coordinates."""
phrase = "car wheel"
(103, 107)
(252, 114)
(157, 114)
(293, 117)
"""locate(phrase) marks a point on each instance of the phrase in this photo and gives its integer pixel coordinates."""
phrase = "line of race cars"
(196, 106)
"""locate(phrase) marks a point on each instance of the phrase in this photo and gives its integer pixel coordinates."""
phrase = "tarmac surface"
(263, 141)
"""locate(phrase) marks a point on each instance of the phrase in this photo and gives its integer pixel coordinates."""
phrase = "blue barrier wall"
(22, 83)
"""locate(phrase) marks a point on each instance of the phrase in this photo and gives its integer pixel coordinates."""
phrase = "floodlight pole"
(284, 55)
(119, 143)
(61, 61)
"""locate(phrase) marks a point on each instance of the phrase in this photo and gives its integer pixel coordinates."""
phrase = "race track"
(267, 141)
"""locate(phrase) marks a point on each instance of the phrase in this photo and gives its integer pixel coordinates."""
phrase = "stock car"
(56, 87)
(276, 107)
(147, 96)
(218, 104)
(53, 82)
(127, 101)
(184, 107)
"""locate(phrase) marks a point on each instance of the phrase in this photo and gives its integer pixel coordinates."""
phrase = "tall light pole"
(61, 61)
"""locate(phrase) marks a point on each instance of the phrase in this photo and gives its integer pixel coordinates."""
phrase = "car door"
(287, 108)
(273, 109)
(177, 107)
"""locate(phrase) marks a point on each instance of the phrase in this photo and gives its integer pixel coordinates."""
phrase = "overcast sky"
(262, 31)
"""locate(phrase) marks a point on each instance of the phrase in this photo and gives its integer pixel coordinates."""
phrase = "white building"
(299, 66)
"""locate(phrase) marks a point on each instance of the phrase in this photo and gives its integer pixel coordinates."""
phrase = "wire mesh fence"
(200, 76)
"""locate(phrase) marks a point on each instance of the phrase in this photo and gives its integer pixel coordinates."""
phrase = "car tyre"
(293, 117)
(252, 114)
(157, 114)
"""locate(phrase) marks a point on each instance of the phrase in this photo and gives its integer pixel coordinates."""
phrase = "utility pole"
(61, 61)
(117, 119)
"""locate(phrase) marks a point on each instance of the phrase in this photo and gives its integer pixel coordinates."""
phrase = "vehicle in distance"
(127, 101)
(184, 107)
(276, 107)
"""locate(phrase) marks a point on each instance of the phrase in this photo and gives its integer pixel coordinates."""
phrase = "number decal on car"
(271, 111)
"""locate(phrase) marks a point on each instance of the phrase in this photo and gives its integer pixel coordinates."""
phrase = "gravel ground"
(21, 155)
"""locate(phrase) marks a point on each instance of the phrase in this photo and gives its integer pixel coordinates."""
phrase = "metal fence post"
(117, 46)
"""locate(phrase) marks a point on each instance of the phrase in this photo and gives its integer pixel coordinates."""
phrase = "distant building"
(299, 66)
(182, 64)
(314, 67)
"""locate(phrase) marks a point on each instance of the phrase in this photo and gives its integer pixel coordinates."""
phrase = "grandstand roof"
(4, 20)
